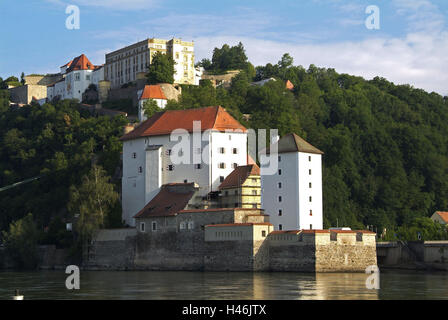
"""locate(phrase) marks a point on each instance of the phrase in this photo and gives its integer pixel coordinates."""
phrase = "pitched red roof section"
(250, 160)
(152, 92)
(285, 232)
(237, 177)
(168, 202)
(343, 231)
(443, 215)
(315, 231)
(67, 64)
(81, 63)
(289, 85)
(163, 123)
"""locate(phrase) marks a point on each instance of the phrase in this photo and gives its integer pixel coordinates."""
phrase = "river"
(223, 285)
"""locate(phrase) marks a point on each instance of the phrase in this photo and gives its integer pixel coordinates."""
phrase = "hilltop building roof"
(443, 215)
(237, 177)
(163, 123)
(293, 143)
(80, 63)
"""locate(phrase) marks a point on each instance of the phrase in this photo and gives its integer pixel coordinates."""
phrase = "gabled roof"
(163, 123)
(443, 215)
(153, 92)
(80, 63)
(237, 177)
(293, 143)
(168, 202)
(67, 64)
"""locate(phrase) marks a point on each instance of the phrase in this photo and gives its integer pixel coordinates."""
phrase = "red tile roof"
(343, 231)
(285, 232)
(168, 202)
(240, 224)
(67, 64)
(163, 123)
(81, 63)
(237, 177)
(315, 231)
(289, 85)
(250, 160)
(443, 215)
(152, 92)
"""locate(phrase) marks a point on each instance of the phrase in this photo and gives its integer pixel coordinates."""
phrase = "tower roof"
(81, 63)
(293, 143)
(163, 123)
(153, 92)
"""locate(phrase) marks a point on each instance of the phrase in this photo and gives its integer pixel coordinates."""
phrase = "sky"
(410, 46)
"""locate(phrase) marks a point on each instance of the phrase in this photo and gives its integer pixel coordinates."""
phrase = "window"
(222, 150)
(236, 192)
(309, 158)
(140, 169)
(230, 137)
(88, 77)
(234, 165)
(263, 233)
(280, 212)
(190, 225)
(280, 227)
(279, 198)
(309, 172)
(279, 185)
(221, 165)
(134, 155)
(170, 167)
(311, 227)
(311, 199)
(311, 212)
(235, 150)
(226, 193)
(279, 172)
(309, 184)
(279, 159)
(168, 152)
(182, 225)
(236, 204)
(221, 179)
(254, 192)
(185, 181)
(254, 206)
(198, 166)
(154, 226)
(77, 78)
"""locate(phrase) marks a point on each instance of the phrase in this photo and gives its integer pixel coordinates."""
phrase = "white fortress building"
(77, 76)
(125, 65)
(293, 195)
(148, 154)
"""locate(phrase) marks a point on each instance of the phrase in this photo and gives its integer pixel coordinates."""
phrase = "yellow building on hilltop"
(242, 188)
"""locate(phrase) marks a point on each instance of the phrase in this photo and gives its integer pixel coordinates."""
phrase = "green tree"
(22, 79)
(161, 69)
(92, 200)
(21, 242)
(150, 107)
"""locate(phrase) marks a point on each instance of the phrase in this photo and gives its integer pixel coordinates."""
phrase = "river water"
(223, 285)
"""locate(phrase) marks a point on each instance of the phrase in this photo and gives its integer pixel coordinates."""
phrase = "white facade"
(293, 195)
(147, 165)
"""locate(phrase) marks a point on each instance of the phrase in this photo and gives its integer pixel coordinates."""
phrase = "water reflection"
(223, 285)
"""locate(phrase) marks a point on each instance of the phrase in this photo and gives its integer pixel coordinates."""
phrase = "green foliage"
(125, 105)
(93, 200)
(161, 69)
(227, 58)
(421, 228)
(150, 107)
(59, 142)
(21, 242)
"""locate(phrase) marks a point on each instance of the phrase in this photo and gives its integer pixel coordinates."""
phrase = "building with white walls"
(77, 76)
(149, 155)
(149, 92)
(293, 195)
(124, 65)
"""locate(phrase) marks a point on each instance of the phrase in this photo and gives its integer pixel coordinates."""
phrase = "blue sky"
(411, 45)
